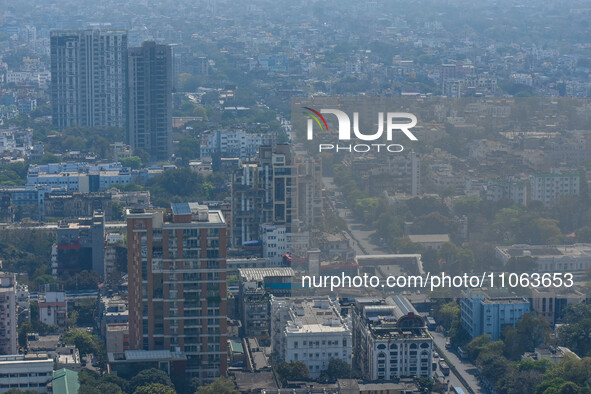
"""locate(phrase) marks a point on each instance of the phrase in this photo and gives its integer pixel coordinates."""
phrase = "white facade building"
(53, 309)
(25, 372)
(550, 258)
(310, 330)
(549, 187)
(80, 177)
(510, 189)
(275, 243)
(391, 339)
(233, 143)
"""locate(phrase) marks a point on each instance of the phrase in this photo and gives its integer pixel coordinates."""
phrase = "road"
(365, 242)
(466, 369)
(364, 237)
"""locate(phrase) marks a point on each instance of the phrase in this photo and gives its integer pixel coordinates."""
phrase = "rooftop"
(259, 274)
(146, 355)
(65, 381)
(488, 299)
(427, 238)
(314, 315)
(576, 250)
(248, 382)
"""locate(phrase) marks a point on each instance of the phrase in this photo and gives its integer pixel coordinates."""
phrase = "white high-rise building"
(8, 315)
(88, 69)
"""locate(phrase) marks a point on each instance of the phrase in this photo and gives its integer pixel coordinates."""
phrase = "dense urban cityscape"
(188, 205)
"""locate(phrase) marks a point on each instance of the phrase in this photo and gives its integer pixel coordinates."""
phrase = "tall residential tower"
(88, 69)
(149, 92)
(177, 285)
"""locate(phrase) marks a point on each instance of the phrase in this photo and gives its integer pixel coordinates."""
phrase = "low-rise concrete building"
(26, 372)
(310, 330)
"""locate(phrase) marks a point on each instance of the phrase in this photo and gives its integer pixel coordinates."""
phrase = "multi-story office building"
(509, 189)
(234, 143)
(149, 93)
(177, 285)
(88, 69)
(310, 330)
(17, 202)
(80, 246)
(547, 188)
(256, 287)
(247, 203)
(551, 302)
(79, 177)
(26, 372)
(8, 316)
(482, 314)
(390, 339)
(280, 188)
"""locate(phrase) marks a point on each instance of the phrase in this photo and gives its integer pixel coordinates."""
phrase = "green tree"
(447, 313)
(430, 260)
(107, 387)
(425, 383)
(532, 331)
(294, 370)
(575, 313)
(220, 385)
(518, 382)
(432, 223)
(514, 348)
(149, 376)
(134, 162)
(48, 158)
(576, 336)
(583, 234)
(114, 379)
(188, 148)
(23, 330)
(551, 386)
(154, 388)
(84, 341)
(458, 334)
(338, 369)
(477, 345)
(82, 280)
(456, 259)
(493, 365)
